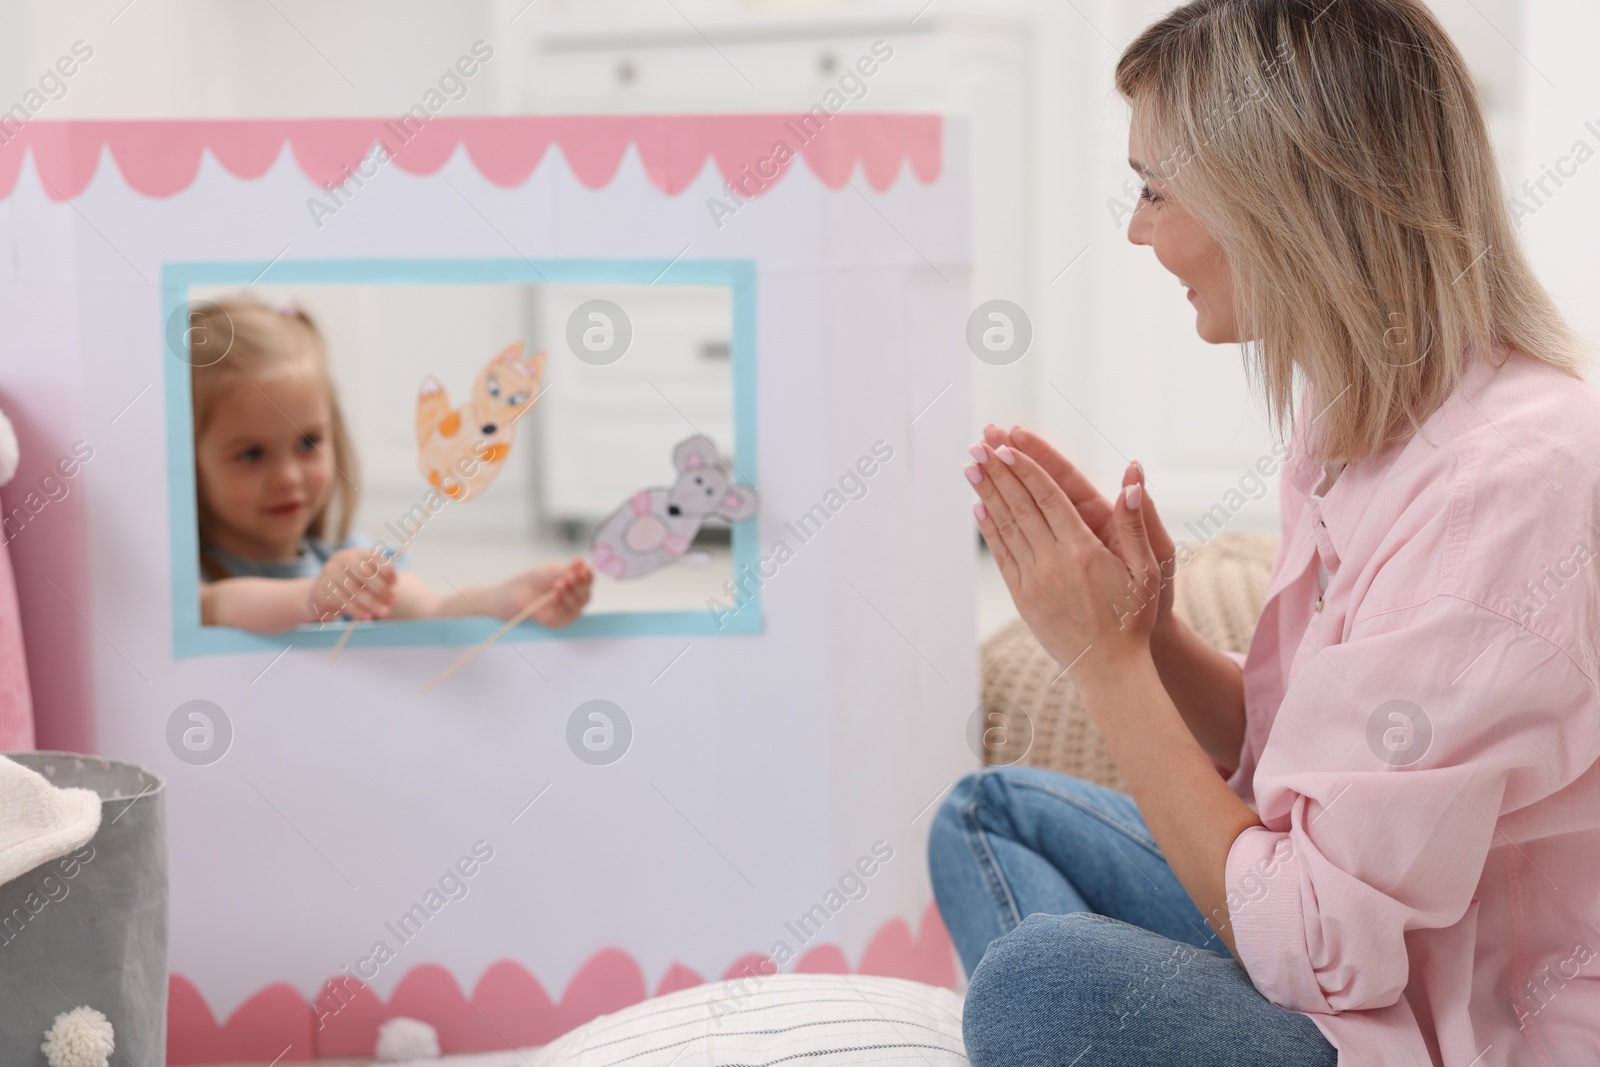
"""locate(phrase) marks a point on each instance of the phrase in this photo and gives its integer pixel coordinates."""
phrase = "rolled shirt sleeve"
(1390, 759)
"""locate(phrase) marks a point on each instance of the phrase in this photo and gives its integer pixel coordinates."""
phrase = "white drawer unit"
(607, 431)
(954, 58)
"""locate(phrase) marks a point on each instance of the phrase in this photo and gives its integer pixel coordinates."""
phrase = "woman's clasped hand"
(1091, 577)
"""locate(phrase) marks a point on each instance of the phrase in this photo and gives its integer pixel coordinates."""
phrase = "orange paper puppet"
(460, 451)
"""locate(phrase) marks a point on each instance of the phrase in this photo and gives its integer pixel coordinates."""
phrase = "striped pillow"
(819, 1020)
(808, 1020)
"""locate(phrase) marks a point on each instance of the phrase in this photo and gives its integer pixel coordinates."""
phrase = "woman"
(1379, 842)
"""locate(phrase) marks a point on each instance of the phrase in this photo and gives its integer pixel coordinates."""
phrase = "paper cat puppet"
(654, 528)
(461, 451)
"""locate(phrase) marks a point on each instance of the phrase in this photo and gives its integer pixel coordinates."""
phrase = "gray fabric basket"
(98, 936)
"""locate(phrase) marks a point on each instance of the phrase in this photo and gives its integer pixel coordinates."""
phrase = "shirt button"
(1319, 602)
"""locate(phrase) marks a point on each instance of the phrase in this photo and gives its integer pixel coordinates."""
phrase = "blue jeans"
(1081, 944)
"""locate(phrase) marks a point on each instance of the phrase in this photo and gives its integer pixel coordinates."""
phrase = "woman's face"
(263, 464)
(1180, 243)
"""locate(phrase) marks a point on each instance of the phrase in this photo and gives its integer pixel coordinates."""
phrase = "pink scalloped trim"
(162, 158)
(508, 1009)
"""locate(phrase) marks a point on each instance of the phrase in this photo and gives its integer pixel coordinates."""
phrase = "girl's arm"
(1206, 686)
(501, 600)
(357, 582)
(260, 605)
(413, 599)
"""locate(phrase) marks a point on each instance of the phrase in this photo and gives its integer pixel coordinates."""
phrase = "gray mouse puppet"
(656, 526)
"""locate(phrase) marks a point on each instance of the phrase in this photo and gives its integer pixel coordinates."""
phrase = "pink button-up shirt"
(1421, 744)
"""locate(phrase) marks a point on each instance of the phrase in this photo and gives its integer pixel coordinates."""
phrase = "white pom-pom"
(9, 450)
(81, 1037)
(402, 1039)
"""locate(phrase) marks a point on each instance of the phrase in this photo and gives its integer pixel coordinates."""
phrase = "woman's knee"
(949, 828)
(986, 792)
(991, 800)
(1035, 992)
(1058, 985)
(1041, 945)
(947, 839)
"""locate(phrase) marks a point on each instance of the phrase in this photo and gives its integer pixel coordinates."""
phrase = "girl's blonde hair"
(233, 341)
(1337, 151)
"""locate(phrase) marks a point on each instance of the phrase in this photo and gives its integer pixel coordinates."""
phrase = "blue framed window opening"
(190, 638)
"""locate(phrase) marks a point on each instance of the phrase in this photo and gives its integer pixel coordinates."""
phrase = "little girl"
(275, 475)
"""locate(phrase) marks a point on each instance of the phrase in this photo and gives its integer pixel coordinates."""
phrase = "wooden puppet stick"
(348, 630)
(467, 656)
(344, 637)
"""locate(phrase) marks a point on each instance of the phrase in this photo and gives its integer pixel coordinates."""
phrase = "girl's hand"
(358, 582)
(1095, 509)
(1091, 605)
(570, 580)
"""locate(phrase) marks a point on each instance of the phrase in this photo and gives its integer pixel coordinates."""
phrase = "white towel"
(39, 822)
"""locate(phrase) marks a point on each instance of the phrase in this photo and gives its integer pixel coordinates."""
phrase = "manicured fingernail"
(980, 512)
(1139, 465)
(1008, 457)
(1135, 495)
(974, 475)
(978, 453)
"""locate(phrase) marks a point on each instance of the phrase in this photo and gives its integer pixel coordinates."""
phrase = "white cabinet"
(954, 59)
(607, 431)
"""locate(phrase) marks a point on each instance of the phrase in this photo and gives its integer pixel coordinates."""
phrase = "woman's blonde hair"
(1337, 151)
(231, 343)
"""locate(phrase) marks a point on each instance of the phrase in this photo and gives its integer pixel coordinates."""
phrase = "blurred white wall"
(1115, 370)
